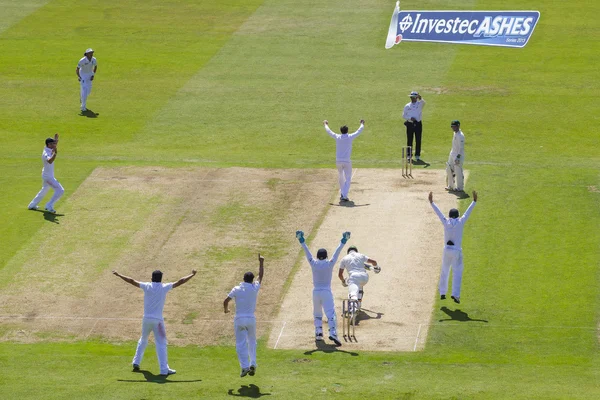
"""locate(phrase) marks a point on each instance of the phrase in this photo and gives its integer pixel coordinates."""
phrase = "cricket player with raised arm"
(456, 159)
(357, 266)
(86, 70)
(155, 293)
(244, 324)
(48, 180)
(452, 256)
(322, 271)
(343, 151)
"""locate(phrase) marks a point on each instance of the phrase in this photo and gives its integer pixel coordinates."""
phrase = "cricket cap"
(49, 140)
(453, 213)
(455, 123)
(90, 50)
(413, 94)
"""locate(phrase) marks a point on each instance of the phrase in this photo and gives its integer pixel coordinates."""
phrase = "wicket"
(407, 161)
(349, 311)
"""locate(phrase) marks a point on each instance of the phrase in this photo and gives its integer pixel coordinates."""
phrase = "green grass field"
(248, 83)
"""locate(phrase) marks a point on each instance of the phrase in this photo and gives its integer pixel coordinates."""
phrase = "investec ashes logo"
(487, 28)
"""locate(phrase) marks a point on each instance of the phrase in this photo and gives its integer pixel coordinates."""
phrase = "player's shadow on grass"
(89, 113)
(460, 195)
(458, 315)
(250, 390)
(421, 162)
(365, 314)
(328, 348)
(349, 204)
(50, 217)
(149, 377)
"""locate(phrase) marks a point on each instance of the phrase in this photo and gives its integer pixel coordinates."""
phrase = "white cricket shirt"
(245, 295)
(453, 227)
(414, 110)
(86, 67)
(322, 270)
(343, 143)
(458, 144)
(354, 262)
(48, 169)
(154, 298)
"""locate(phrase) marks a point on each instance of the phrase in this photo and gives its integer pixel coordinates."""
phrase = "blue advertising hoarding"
(484, 28)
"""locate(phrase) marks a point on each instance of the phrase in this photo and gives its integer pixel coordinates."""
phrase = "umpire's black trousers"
(414, 129)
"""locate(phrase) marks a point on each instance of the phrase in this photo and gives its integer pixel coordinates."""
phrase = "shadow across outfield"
(89, 113)
(50, 217)
(149, 377)
(250, 390)
(328, 348)
(458, 315)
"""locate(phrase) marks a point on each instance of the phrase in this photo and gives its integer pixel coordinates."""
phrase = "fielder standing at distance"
(86, 70)
(456, 159)
(244, 324)
(452, 256)
(322, 271)
(155, 293)
(48, 180)
(413, 116)
(356, 264)
(343, 151)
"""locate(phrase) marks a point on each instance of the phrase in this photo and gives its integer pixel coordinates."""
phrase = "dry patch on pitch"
(135, 220)
(392, 222)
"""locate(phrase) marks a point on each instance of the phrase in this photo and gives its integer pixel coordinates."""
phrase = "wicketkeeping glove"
(345, 237)
(300, 236)
(377, 269)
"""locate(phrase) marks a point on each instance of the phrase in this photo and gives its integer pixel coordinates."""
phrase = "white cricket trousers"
(344, 176)
(356, 281)
(245, 340)
(451, 258)
(86, 89)
(48, 183)
(455, 171)
(323, 300)
(160, 340)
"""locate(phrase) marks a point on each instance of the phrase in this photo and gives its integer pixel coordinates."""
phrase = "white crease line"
(417, 339)
(93, 327)
(354, 173)
(280, 333)
(111, 318)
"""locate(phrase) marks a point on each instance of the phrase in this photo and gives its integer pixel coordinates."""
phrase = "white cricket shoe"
(319, 336)
(169, 372)
(244, 372)
(335, 340)
(33, 208)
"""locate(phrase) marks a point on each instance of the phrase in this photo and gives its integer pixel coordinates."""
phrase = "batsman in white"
(456, 159)
(48, 179)
(357, 265)
(86, 70)
(452, 256)
(322, 271)
(244, 324)
(343, 151)
(155, 293)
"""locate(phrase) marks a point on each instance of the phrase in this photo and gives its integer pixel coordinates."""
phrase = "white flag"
(391, 37)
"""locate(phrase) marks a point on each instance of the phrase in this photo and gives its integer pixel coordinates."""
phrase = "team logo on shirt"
(484, 28)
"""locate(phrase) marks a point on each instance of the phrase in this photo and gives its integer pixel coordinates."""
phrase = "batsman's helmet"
(157, 276)
(352, 248)
(453, 213)
(455, 123)
(248, 277)
(322, 254)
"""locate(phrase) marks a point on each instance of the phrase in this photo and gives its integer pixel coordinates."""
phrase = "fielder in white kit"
(322, 271)
(343, 151)
(48, 180)
(86, 70)
(356, 263)
(456, 160)
(244, 324)
(452, 256)
(155, 293)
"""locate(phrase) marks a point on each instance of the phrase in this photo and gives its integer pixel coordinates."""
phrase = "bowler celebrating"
(48, 179)
(322, 270)
(343, 151)
(86, 70)
(452, 257)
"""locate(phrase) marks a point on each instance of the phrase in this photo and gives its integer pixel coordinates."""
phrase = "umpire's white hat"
(90, 50)
(413, 94)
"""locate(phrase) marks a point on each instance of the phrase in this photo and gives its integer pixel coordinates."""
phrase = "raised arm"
(261, 268)
(436, 208)
(127, 279)
(329, 131)
(336, 254)
(360, 129)
(184, 279)
(470, 208)
(300, 237)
